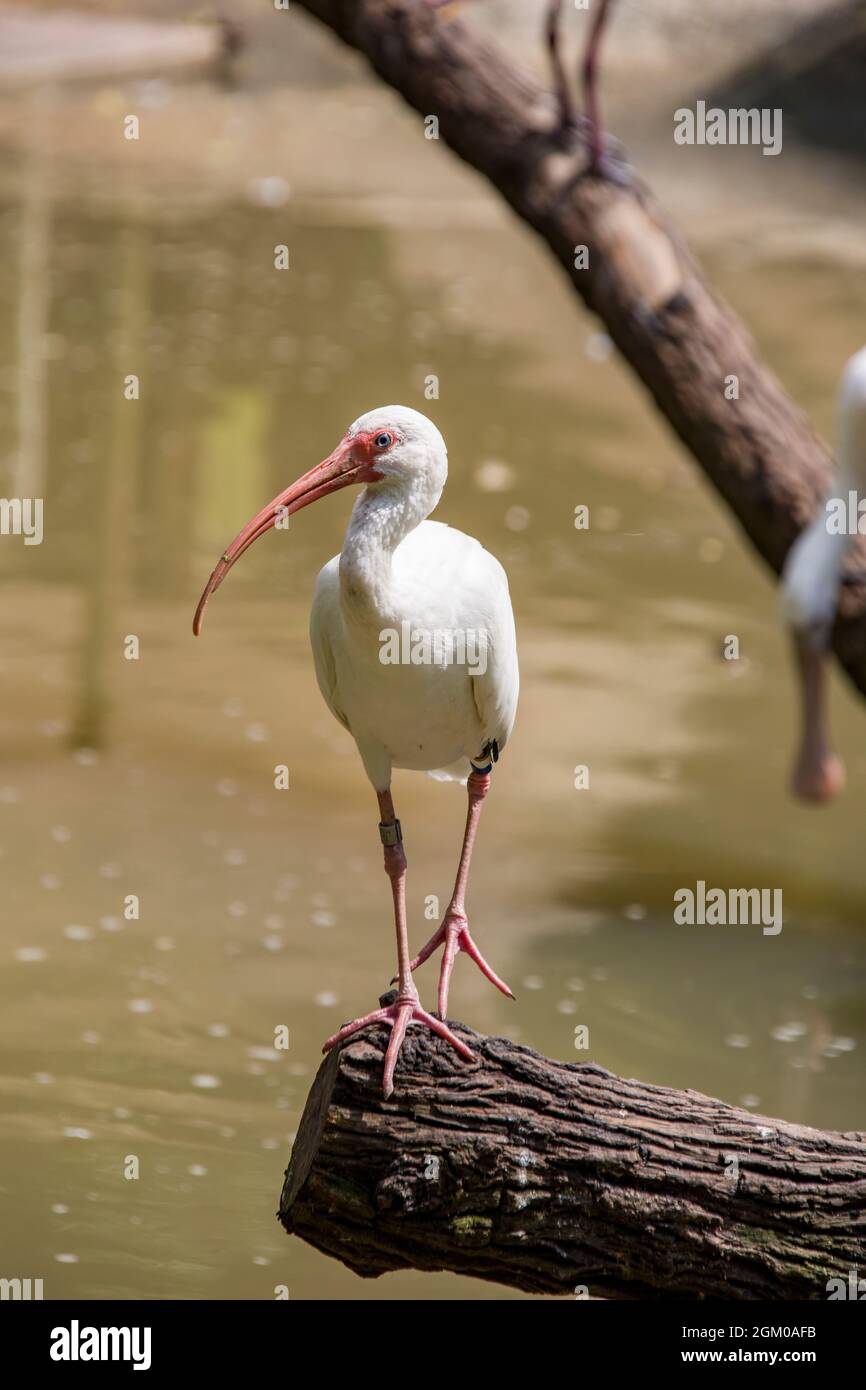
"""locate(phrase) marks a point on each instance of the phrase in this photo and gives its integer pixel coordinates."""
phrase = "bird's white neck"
(384, 514)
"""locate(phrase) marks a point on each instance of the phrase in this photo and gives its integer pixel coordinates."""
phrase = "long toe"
(445, 1032)
(472, 951)
(405, 1014)
(426, 951)
(348, 1029)
(449, 955)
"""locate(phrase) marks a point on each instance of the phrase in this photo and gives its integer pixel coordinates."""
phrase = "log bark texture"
(759, 452)
(560, 1177)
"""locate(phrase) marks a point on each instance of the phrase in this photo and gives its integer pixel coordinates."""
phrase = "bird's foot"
(454, 935)
(405, 1009)
(818, 777)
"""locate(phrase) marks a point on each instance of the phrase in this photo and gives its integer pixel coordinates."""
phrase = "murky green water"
(152, 1038)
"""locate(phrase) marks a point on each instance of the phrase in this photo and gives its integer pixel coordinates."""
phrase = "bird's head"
(392, 446)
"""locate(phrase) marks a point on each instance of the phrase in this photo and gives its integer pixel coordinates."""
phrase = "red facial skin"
(351, 462)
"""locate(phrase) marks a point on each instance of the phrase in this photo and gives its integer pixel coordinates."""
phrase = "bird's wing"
(495, 688)
(469, 585)
(324, 614)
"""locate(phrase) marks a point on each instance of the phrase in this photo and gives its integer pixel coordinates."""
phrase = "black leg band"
(390, 832)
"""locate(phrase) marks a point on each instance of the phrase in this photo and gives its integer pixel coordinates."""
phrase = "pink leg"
(454, 931)
(818, 773)
(601, 162)
(406, 1008)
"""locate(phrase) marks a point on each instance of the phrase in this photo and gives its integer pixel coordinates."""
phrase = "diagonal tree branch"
(682, 341)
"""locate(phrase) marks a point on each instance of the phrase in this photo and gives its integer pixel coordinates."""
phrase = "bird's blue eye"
(383, 440)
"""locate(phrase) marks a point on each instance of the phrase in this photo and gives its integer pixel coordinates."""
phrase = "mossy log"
(561, 1178)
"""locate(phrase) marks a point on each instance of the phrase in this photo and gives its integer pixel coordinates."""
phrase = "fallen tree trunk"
(759, 451)
(559, 1178)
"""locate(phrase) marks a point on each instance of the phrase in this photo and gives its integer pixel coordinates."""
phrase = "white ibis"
(811, 580)
(415, 652)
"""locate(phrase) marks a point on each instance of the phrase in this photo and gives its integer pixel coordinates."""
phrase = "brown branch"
(554, 1177)
(759, 451)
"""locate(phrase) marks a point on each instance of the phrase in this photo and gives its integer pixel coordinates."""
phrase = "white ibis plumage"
(810, 586)
(415, 653)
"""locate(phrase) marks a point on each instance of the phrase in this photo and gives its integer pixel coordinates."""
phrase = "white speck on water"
(600, 973)
(165, 943)
(273, 943)
(30, 953)
(517, 518)
(61, 834)
(9, 796)
(91, 1037)
(110, 870)
(66, 1259)
(260, 1260)
(218, 1030)
(60, 1209)
(235, 857)
(264, 1054)
(634, 912)
(323, 919)
(810, 992)
(789, 1032)
(270, 192)
(43, 1078)
(112, 923)
(257, 733)
(237, 909)
(843, 1044)
(494, 476)
(270, 1143)
(226, 787)
(233, 708)
(77, 933)
(326, 999)
(121, 1113)
(86, 757)
(566, 1006)
(533, 982)
(227, 1132)
(50, 882)
(196, 1170)
(575, 984)
(750, 1102)
(255, 1069)
(73, 1132)
(274, 922)
(140, 1006)
(204, 1082)
(738, 1040)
